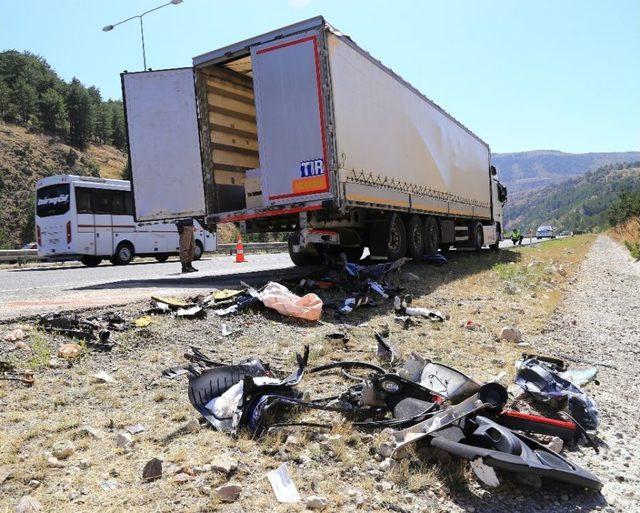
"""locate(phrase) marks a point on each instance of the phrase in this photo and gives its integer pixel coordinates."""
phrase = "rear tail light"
(38, 236)
(68, 232)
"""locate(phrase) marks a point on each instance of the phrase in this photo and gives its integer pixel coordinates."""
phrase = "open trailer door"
(164, 144)
(287, 76)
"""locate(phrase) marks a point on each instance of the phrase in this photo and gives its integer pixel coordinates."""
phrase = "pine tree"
(5, 98)
(25, 98)
(104, 124)
(81, 113)
(53, 111)
(119, 133)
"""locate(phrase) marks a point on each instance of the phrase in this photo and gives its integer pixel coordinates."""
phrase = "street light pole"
(109, 28)
(144, 54)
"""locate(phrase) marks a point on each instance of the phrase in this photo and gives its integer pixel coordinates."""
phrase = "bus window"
(128, 203)
(83, 200)
(52, 200)
(118, 206)
(102, 201)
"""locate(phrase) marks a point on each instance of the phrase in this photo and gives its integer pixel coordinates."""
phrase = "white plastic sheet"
(282, 300)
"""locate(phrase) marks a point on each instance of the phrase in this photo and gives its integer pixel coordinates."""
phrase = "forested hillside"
(33, 95)
(48, 127)
(527, 171)
(581, 203)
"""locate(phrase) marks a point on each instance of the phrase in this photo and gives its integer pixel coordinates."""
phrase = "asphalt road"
(45, 288)
(50, 287)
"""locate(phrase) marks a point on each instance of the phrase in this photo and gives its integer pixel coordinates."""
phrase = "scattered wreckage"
(418, 400)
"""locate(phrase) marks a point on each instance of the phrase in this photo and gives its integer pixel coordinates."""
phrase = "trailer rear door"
(292, 142)
(164, 144)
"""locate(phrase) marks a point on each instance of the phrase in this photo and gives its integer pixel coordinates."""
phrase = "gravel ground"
(599, 323)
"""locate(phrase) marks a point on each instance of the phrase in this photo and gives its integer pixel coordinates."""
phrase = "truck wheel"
(300, 257)
(415, 237)
(388, 238)
(197, 254)
(162, 258)
(397, 240)
(431, 236)
(90, 260)
(123, 255)
(478, 237)
(496, 245)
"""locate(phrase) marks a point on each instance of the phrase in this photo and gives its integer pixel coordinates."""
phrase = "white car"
(545, 232)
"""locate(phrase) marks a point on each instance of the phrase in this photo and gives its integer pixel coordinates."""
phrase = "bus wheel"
(162, 258)
(90, 261)
(197, 254)
(123, 254)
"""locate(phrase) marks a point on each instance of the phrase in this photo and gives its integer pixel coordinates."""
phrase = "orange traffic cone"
(239, 251)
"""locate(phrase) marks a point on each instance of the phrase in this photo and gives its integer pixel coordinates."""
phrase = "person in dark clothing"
(187, 244)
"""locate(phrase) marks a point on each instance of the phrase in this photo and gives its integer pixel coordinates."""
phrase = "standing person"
(187, 244)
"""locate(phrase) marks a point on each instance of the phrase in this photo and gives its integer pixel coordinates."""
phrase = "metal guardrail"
(253, 246)
(21, 256)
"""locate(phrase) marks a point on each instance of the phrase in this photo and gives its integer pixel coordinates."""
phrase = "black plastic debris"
(386, 349)
(243, 395)
(91, 331)
(351, 303)
(501, 448)
(9, 372)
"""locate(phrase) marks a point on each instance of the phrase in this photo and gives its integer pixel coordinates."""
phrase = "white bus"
(92, 219)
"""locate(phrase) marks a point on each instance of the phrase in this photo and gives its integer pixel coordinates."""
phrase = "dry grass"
(628, 233)
(342, 468)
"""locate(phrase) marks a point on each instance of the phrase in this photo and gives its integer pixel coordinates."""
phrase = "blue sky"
(522, 74)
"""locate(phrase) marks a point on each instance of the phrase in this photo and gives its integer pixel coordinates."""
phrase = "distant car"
(30, 245)
(565, 234)
(545, 232)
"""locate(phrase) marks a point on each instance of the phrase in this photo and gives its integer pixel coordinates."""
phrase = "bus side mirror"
(493, 170)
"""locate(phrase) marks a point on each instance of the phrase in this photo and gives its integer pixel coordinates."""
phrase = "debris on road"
(104, 377)
(282, 300)
(283, 486)
(402, 306)
(9, 372)
(543, 380)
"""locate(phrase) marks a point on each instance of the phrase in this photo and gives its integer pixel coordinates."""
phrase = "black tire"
(302, 257)
(415, 237)
(496, 246)
(388, 238)
(397, 240)
(162, 258)
(197, 254)
(123, 255)
(90, 260)
(432, 239)
(478, 237)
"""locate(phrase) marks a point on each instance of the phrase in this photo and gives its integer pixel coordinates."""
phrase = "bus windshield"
(53, 200)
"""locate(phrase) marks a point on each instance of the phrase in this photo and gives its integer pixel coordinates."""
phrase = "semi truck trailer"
(300, 130)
